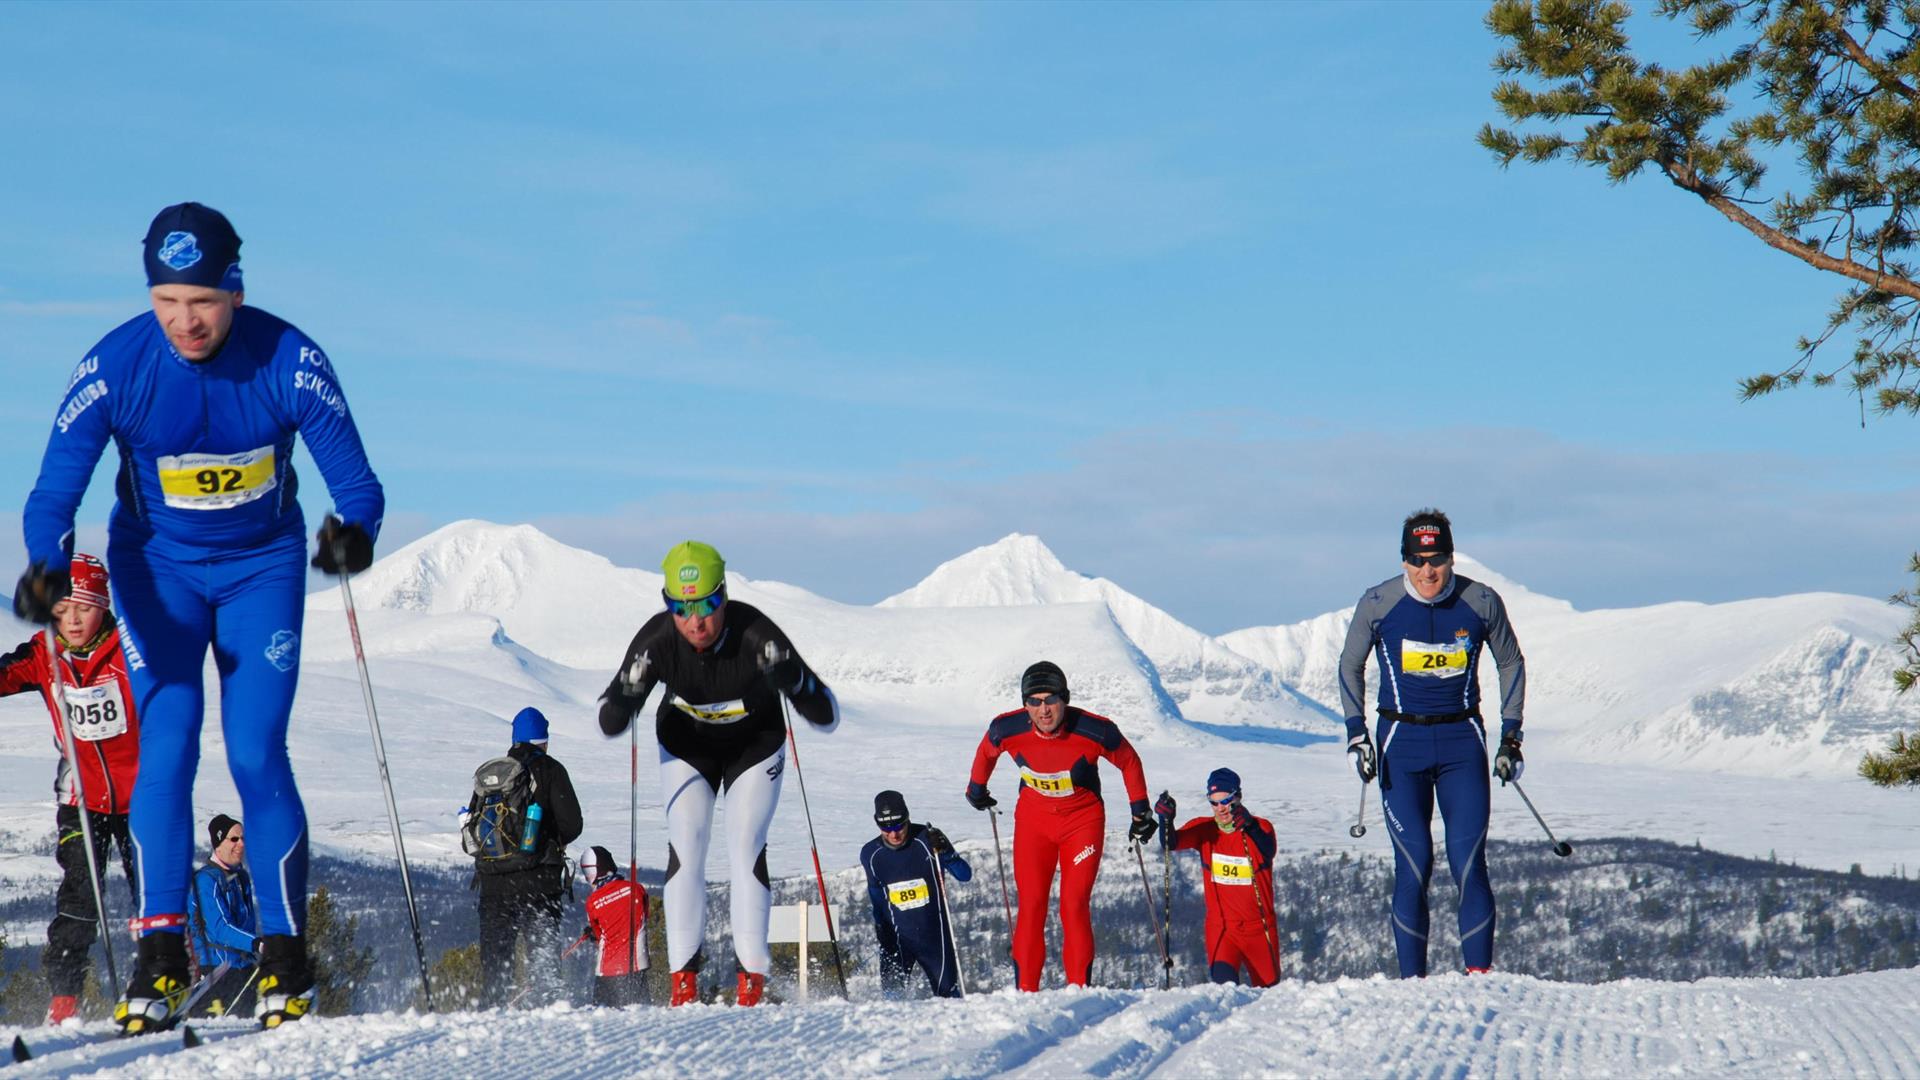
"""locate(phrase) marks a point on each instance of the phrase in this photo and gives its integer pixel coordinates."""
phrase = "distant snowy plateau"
(1737, 725)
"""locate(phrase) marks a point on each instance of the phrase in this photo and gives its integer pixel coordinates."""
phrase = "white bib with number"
(1054, 785)
(215, 481)
(1447, 661)
(907, 895)
(1232, 870)
(95, 713)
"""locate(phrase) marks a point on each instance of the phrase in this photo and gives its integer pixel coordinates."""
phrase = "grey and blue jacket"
(1428, 652)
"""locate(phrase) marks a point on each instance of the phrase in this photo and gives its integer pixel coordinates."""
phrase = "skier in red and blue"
(202, 398)
(1060, 821)
(1236, 855)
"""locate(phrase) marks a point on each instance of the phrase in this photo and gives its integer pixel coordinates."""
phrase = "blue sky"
(1208, 297)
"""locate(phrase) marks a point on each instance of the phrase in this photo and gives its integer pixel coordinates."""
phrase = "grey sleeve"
(1373, 606)
(1505, 647)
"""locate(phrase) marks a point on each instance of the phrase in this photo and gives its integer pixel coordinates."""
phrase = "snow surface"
(1447, 1026)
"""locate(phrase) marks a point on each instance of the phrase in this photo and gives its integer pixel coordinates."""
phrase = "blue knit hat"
(529, 725)
(191, 244)
(1223, 781)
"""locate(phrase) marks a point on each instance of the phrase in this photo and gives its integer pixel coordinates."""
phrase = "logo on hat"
(179, 250)
(689, 573)
(1427, 535)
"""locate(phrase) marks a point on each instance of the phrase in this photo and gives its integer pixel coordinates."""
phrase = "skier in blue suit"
(202, 398)
(903, 867)
(1426, 627)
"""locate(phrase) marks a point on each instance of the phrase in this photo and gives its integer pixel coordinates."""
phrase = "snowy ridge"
(1783, 685)
(1209, 681)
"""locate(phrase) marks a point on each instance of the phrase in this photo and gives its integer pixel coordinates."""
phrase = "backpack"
(502, 829)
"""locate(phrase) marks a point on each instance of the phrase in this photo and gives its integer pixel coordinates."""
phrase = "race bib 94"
(1231, 870)
(907, 895)
(95, 713)
(215, 481)
(1054, 785)
(1435, 661)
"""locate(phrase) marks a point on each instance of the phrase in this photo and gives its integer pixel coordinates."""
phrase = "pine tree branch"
(1880, 72)
(1684, 177)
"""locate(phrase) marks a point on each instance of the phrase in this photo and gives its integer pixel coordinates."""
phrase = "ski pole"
(940, 885)
(635, 947)
(1560, 847)
(1359, 828)
(380, 759)
(80, 795)
(1166, 890)
(993, 818)
(1259, 897)
(1146, 883)
(772, 654)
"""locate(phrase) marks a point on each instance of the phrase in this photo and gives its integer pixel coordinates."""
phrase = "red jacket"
(1239, 873)
(608, 923)
(1060, 772)
(100, 704)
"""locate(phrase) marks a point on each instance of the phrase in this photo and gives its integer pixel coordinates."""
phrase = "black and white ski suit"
(720, 729)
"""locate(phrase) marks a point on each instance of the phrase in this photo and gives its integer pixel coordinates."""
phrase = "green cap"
(693, 570)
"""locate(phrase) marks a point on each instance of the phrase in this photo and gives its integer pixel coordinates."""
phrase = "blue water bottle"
(532, 831)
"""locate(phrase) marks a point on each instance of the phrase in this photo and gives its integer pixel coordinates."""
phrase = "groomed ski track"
(1445, 1027)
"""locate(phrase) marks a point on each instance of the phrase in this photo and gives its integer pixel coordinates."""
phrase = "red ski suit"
(1060, 823)
(100, 703)
(1238, 881)
(617, 920)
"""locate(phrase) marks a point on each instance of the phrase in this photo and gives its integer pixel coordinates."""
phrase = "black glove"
(1508, 764)
(1360, 747)
(1164, 806)
(353, 541)
(1142, 829)
(39, 589)
(978, 798)
(938, 841)
(1242, 820)
(616, 712)
(784, 675)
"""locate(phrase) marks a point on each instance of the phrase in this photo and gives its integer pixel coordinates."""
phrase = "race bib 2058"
(95, 713)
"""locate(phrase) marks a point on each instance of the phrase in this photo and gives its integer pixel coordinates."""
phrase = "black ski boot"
(286, 982)
(159, 985)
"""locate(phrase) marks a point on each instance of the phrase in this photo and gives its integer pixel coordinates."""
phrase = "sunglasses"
(1228, 801)
(1437, 559)
(1043, 699)
(696, 609)
(898, 827)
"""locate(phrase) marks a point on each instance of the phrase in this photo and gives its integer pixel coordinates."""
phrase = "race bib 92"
(1231, 870)
(96, 713)
(907, 895)
(215, 481)
(1054, 785)
(1446, 661)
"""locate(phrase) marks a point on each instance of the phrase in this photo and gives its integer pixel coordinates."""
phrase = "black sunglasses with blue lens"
(696, 609)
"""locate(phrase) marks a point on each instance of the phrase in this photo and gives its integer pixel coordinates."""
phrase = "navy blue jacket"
(220, 916)
(900, 884)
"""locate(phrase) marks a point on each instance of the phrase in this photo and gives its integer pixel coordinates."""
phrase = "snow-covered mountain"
(1210, 681)
(1782, 685)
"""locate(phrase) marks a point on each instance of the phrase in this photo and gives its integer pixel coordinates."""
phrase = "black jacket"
(560, 825)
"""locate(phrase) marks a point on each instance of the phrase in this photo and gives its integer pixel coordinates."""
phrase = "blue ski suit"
(220, 917)
(1432, 742)
(908, 917)
(207, 548)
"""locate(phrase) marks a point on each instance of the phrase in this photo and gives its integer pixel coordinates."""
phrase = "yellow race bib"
(1232, 870)
(1054, 785)
(1447, 661)
(907, 895)
(215, 481)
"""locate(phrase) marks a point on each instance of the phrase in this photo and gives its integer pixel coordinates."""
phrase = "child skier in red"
(617, 920)
(1236, 851)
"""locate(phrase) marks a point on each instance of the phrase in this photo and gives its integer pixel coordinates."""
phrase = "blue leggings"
(248, 608)
(1416, 764)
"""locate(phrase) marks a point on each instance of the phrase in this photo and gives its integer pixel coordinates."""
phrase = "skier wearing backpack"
(617, 922)
(1236, 860)
(517, 826)
(1060, 821)
(106, 734)
(202, 397)
(903, 865)
(720, 727)
(1425, 628)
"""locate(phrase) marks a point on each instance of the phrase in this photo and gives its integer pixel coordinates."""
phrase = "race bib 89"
(215, 481)
(1434, 661)
(1231, 870)
(907, 895)
(95, 713)
(1054, 785)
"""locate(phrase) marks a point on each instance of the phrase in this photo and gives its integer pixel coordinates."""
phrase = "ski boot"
(752, 987)
(62, 1007)
(686, 988)
(286, 982)
(152, 1001)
